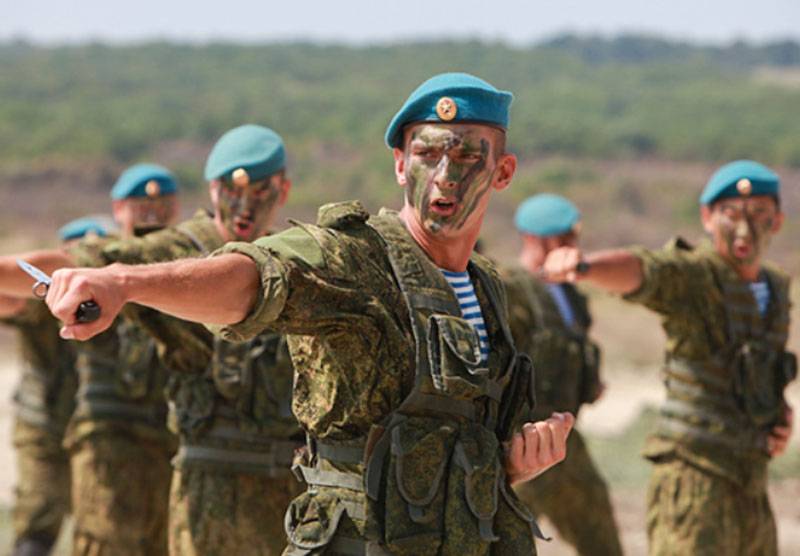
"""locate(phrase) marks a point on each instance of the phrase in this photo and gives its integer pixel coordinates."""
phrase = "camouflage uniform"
(118, 440)
(231, 405)
(404, 421)
(725, 371)
(44, 403)
(572, 495)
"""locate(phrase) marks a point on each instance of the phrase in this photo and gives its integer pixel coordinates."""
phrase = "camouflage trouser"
(692, 511)
(216, 513)
(574, 497)
(120, 495)
(42, 493)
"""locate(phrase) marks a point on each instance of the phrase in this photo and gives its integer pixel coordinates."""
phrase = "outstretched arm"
(218, 290)
(15, 282)
(618, 270)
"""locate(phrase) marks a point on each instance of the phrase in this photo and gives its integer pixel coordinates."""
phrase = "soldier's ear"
(506, 167)
(777, 224)
(707, 218)
(400, 167)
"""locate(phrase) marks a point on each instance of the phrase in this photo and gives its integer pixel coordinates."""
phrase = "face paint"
(141, 215)
(448, 171)
(247, 212)
(743, 228)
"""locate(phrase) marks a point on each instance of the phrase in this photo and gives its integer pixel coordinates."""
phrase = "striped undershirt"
(470, 308)
(761, 294)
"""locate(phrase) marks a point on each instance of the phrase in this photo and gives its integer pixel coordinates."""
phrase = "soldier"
(117, 436)
(550, 322)
(407, 404)
(230, 403)
(44, 399)
(726, 316)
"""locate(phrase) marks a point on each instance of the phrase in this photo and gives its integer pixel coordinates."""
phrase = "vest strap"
(348, 546)
(338, 479)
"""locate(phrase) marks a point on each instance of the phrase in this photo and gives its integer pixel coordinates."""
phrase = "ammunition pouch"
(760, 377)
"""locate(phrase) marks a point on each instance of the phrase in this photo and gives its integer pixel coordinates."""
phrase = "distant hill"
(623, 97)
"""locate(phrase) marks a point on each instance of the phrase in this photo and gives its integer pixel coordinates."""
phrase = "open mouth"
(742, 250)
(243, 227)
(443, 207)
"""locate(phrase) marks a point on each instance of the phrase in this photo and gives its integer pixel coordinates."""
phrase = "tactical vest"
(121, 378)
(249, 425)
(567, 361)
(439, 453)
(236, 416)
(732, 399)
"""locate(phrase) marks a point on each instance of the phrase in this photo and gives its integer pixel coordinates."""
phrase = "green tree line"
(579, 96)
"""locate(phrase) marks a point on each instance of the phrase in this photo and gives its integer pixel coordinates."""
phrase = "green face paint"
(151, 213)
(743, 228)
(448, 171)
(247, 211)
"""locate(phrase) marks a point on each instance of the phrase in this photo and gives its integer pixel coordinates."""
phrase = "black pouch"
(762, 378)
(590, 379)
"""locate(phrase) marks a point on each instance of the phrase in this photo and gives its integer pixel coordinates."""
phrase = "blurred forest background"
(629, 127)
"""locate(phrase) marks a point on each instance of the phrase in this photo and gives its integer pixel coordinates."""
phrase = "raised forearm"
(218, 290)
(618, 271)
(15, 282)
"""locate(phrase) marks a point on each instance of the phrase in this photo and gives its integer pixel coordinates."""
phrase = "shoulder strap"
(422, 284)
(201, 232)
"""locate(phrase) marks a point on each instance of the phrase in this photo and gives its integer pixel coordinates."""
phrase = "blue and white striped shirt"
(470, 308)
(761, 294)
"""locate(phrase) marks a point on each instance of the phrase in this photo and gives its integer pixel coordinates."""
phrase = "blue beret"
(135, 182)
(86, 225)
(256, 150)
(546, 215)
(451, 97)
(740, 178)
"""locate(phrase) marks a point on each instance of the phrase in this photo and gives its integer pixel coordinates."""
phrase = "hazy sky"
(380, 20)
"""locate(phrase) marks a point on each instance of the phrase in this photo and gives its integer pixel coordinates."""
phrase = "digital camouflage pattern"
(572, 494)
(231, 405)
(117, 437)
(331, 288)
(44, 402)
(691, 511)
(120, 492)
(725, 372)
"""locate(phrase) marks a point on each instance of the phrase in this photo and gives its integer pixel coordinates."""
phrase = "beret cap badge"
(240, 177)
(152, 188)
(446, 109)
(744, 186)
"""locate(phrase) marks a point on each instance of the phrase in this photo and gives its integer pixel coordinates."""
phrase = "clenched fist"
(538, 447)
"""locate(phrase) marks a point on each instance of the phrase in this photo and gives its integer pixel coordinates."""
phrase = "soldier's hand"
(538, 447)
(561, 265)
(780, 434)
(73, 286)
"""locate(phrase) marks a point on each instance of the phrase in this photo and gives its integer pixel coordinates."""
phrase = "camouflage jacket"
(121, 381)
(333, 289)
(726, 366)
(224, 397)
(566, 361)
(46, 394)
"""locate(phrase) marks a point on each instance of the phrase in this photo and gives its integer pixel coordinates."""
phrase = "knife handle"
(88, 311)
